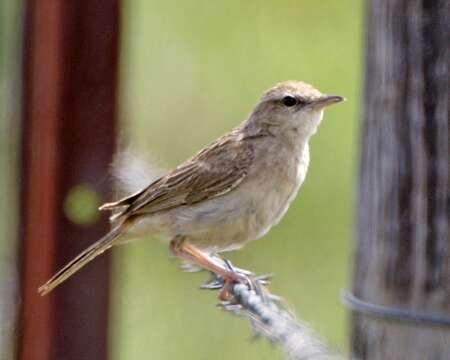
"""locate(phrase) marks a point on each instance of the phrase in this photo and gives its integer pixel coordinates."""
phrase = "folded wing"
(213, 172)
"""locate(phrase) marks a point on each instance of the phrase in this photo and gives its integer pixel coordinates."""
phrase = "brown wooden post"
(69, 113)
(403, 238)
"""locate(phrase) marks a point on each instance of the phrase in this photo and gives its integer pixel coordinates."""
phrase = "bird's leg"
(186, 251)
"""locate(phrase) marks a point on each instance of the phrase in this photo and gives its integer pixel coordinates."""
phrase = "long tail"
(82, 259)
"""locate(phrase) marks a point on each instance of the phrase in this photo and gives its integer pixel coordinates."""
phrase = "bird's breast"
(277, 187)
(248, 212)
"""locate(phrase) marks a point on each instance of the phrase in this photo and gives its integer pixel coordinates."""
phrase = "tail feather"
(82, 259)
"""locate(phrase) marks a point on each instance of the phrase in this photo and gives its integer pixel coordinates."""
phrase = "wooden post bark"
(403, 238)
(68, 136)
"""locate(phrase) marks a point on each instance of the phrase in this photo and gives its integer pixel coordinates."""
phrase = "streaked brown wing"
(213, 172)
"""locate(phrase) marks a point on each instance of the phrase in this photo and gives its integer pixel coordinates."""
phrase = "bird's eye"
(289, 101)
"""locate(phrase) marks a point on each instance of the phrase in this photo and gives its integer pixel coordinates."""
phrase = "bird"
(231, 192)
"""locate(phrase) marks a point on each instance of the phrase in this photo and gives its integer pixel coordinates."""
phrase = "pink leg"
(186, 251)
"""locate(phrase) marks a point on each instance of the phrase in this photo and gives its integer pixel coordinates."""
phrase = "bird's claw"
(214, 283)
(236, 275)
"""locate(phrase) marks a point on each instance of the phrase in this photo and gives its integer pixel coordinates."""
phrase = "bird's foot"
(234, 275)
(225, 274)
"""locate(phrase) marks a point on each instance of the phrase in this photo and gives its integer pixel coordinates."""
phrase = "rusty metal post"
(69, 116)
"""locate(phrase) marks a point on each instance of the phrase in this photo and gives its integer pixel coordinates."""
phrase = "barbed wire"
(270, 318)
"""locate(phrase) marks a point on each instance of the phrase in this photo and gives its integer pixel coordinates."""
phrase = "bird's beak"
(326, 100)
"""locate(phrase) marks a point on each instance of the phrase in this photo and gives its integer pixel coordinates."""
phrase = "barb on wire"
(270, 318)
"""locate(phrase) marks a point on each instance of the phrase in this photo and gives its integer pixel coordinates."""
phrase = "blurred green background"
(10, 33)
(189, 72)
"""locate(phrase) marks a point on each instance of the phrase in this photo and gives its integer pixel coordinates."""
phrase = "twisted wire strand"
(271, 319)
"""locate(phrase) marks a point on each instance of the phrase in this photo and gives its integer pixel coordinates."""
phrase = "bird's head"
(291, 109)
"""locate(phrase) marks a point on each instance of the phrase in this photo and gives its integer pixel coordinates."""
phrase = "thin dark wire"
(395, 313)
